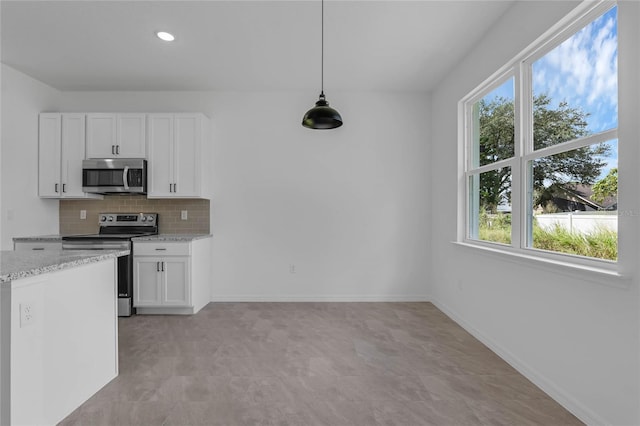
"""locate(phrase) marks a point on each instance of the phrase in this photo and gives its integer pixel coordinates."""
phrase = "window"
(541, 146)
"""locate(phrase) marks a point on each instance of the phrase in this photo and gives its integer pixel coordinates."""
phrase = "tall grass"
(495, 235)
(495, 228)
(601, 243)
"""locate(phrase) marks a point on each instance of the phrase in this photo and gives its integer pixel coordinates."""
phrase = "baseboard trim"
(320, 298)
(548, 386)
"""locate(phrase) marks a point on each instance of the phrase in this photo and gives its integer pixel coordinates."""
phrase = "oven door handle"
(125, 177)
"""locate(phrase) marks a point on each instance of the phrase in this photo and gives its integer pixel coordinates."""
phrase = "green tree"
(552, 126)
(606, 187)
(496, 143)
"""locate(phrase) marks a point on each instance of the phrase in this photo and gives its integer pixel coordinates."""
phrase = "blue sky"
(583, 71)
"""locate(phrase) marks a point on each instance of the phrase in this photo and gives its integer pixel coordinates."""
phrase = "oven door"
(114, 175)
(125, 268)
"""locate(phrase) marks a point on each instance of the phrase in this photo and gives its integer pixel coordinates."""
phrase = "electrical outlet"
(292, 268)
(27, 314)
(184, 215)
(83, 214)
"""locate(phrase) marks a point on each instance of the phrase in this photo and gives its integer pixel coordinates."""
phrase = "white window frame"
(520, 69)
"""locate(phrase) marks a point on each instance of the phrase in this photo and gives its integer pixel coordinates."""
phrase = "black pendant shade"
(322, 116)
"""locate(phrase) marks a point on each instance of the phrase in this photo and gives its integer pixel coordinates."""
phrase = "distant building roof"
(581, 193)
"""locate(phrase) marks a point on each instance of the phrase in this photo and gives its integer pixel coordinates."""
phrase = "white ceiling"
(241, 45)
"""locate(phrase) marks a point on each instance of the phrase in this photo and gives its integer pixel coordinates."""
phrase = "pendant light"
(322, 116)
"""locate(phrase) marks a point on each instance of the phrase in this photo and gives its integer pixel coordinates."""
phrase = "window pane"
(573, 199)
(490, 206)
(575, 86)
(493, 126)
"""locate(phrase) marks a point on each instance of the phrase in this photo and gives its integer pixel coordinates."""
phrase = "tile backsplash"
(168, 210)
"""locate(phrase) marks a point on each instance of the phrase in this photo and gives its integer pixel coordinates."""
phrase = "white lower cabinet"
(162, 281)
(171, 277)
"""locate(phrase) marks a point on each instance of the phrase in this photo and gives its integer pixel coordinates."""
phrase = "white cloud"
(583, 71)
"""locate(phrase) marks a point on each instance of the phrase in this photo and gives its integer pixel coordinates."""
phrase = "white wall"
(575, 335)
(348, 207)
(23, 213)
(1, 91)
(2, 380)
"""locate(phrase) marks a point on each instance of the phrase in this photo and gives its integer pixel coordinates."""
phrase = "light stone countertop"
(171, 237)
(53, 237)
(15, 265)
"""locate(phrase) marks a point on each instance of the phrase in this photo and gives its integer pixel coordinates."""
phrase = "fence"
(583, 222)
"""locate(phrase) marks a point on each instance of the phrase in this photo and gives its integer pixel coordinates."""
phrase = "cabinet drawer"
(37, 245)
(161, 249)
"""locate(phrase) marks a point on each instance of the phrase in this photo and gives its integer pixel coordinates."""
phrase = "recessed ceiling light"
(165, 36)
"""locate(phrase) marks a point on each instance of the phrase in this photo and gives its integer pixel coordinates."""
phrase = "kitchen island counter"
(58, 331)
(15, 265)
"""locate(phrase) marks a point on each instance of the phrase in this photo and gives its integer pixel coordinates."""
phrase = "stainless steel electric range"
(115, 233)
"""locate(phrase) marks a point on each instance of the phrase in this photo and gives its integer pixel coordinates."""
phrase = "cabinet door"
(177, 286)
(160, 167)
(101, 135)
(131, 142)
(187, 155)
(73, 138)
(49, 140)
(147, 281)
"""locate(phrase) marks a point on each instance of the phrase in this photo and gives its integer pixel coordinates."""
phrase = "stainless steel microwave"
(114, 176)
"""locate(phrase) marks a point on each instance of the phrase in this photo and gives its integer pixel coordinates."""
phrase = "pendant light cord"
(322, 52)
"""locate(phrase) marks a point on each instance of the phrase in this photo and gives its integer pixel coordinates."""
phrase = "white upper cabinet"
(49, 152)
(116, 135)
(161, 156)
(187, 165)
(101, 135)
(73, 142)
(178, 158)
(132, 140)
(61, 149)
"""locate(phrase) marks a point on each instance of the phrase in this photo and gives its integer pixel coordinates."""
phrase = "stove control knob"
(143, 218)
(150, 218)
(103, 218)
(110, 219)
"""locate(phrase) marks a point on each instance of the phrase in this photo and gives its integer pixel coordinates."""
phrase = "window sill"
(592, 273)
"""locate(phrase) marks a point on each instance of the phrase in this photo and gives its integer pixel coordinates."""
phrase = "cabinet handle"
(56, 188)
(64, 187)
(157, 266)
(37, 248)
(161, 248)
(113, 149)
(170, 188)
(175, 187)
(118, 149)
(162, 266)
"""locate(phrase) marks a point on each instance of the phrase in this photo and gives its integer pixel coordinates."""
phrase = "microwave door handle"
(125, 177)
